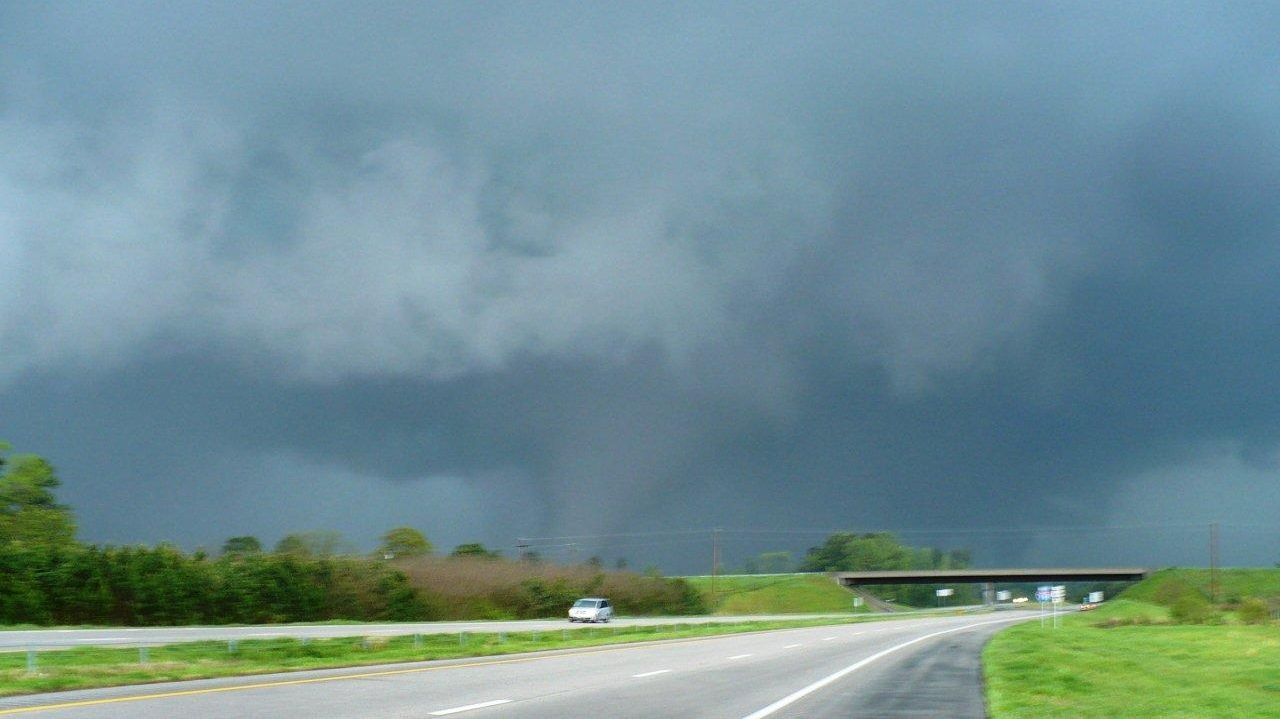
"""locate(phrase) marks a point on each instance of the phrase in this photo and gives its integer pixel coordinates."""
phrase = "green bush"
(139, 586)
(538, 598)
(1191, 608)
(1254, 611)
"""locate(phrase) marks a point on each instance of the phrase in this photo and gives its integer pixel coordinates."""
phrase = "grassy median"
(1124, 660)
(89, 667)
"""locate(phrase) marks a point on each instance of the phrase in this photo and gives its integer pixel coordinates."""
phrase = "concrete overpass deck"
(992, 576)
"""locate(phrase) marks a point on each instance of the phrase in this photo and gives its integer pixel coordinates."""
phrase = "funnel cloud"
(964, 271)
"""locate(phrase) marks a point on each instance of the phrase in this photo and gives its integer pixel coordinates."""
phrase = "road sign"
(1004, 595)
(1095, 597)
(946, 592)
(1043, 594)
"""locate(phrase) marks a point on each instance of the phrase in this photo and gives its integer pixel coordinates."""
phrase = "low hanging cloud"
(641, 267)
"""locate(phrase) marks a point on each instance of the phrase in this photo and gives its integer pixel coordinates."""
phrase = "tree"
(768, 563)
(774, 562)
(473, 549)
(845, 552)
(236, 546)
(323, 543)
(404, 542)
(29, 512)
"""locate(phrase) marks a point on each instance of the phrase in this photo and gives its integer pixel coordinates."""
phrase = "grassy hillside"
(774, 594)
(1234, 584)
(1125, 660)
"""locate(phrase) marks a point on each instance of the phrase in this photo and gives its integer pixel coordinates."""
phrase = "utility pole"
(1213, 562)
(715, 563)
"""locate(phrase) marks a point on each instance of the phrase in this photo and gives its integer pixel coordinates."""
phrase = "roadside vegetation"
(85, 667)
(47, 577)
(495, 588)
(1161, 650)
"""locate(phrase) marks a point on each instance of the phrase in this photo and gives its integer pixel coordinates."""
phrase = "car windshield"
(584, 603)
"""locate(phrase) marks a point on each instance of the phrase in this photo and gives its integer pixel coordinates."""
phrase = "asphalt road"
(925, 667)
(16, 640)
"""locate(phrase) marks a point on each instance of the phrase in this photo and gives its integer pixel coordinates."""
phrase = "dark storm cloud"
(522, 269)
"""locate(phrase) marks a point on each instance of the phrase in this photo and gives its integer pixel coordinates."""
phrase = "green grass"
(1233, 584)
(1138, 671)
(88, 667)
(775, 594)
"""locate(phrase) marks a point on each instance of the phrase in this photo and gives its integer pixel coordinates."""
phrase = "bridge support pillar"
(989, 593)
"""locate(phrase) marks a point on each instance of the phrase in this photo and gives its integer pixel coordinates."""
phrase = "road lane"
(22, 639)
(698, 678)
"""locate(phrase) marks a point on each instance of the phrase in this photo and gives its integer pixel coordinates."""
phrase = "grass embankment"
(1234, 584)
(90, 667)
(1125, 659)
(775, 594)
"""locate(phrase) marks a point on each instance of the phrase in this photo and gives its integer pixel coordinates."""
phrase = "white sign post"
(1043, 594)
(1059, 595)
(944, 593)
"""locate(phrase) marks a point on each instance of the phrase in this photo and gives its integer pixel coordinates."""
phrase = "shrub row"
(140, 586)
(149, 586)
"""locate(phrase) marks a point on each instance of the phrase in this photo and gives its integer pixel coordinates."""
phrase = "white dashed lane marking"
(469, 707)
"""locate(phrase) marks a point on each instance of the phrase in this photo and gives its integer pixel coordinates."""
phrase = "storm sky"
(502, 270)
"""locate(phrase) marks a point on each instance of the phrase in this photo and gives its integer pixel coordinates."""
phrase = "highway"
(908, 668)
(22, 639)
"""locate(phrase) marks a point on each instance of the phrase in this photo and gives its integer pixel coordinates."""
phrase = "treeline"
(881, 551)
(140, 586)
(151, 586)
(47, 577)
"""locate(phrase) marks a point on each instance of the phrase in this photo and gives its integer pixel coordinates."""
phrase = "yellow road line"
(259, 685)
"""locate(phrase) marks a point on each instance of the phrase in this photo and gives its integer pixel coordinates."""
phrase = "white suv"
(591, 609)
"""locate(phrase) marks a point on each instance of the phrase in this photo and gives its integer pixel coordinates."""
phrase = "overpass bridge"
(990, 577)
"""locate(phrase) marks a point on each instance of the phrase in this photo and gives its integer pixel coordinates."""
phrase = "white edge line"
(650, 674)
(827, 639)
(469, 707)
(792, 646)
(740, 656)
(801, 693)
